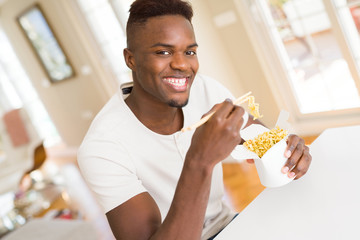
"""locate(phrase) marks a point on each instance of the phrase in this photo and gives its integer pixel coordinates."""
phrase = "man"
(153, 181)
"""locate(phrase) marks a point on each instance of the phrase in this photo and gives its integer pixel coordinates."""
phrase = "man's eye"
(190, 53)
(163, 53)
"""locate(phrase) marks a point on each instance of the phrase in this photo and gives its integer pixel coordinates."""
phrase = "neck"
(155, 115)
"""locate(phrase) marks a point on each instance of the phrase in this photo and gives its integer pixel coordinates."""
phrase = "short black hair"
(141, 10)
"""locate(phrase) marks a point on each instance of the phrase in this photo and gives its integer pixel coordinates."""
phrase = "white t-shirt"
(120, 157)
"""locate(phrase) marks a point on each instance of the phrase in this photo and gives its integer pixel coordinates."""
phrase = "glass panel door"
(318, 72)
(348, 13)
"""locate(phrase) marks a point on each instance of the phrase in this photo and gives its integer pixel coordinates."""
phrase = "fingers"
(224, 109)
(303, 165)
(215, 139)
(251, 161)
(236, 116)
(293, 141)
(212, 110)
(228, 118)
(299, 158)
(230, 111)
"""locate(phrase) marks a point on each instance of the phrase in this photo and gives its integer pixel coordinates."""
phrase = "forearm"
(211, 143)
(186, 214)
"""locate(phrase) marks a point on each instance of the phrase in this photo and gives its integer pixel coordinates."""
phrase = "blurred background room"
(61, 60)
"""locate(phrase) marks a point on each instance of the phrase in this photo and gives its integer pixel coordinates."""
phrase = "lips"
(178, 84)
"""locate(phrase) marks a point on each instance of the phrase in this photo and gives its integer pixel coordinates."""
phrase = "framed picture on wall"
(47, 48)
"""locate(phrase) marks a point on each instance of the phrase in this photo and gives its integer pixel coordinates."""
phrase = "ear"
(129, 59)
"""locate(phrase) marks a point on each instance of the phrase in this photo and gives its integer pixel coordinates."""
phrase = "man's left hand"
(298, 155)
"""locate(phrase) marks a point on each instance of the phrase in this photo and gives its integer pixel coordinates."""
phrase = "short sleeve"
(109, 172)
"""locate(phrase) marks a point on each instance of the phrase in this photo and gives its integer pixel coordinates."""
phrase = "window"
(348, 13)
(107, 20)
(323, 75)
(17, 91)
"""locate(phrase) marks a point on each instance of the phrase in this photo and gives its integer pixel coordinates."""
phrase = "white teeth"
(176, 81)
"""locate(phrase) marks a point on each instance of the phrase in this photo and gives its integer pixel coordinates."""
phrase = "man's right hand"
(214, 141)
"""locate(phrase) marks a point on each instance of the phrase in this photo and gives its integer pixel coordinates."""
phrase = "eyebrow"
(172, 46)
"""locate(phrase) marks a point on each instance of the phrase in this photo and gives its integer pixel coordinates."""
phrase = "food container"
(270, 165)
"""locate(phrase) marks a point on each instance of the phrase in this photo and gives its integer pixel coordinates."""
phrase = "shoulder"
(209, 89)
(106, 130)
(206, 92)
(206, 81)
(111, 118)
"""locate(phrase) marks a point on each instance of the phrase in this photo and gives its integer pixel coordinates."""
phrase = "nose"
(179, 62)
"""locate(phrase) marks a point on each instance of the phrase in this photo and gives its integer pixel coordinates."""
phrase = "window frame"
(277, 75)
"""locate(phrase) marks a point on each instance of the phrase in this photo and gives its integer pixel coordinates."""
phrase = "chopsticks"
(237, 101)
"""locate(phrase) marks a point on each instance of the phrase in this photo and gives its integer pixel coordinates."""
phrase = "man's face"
(164, 60)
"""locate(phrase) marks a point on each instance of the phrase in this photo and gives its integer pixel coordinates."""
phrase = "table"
(324, 204)
(54, 229)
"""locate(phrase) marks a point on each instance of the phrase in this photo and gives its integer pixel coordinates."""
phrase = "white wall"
(212, 53)
(72, 103)
(229, 54)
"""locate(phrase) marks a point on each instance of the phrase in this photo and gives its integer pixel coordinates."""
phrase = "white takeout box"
(270, 165)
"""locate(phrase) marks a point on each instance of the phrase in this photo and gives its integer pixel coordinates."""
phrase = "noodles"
(265, 141)
(253, 107)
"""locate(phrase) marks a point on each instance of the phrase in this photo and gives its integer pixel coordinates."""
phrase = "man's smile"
(179, 84)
